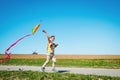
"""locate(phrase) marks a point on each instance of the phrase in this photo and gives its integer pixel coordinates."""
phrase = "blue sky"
(80, 26)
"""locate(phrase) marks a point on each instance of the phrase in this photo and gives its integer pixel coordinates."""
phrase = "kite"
(35, 29)
(6, 51)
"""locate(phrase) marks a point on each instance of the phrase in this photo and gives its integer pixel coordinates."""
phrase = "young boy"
(50, 50)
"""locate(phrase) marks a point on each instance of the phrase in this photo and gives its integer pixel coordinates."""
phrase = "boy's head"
(51, 38)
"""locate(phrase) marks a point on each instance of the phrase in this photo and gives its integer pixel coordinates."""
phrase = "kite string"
(6, 51)
(16, 43)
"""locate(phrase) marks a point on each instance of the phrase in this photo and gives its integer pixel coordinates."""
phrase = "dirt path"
(87, 71)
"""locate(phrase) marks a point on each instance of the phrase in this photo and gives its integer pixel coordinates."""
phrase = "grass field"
(74, 61)
(94, 61)
(30, 56)
(30, 75)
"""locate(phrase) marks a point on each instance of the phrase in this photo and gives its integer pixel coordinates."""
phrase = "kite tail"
(9, 54)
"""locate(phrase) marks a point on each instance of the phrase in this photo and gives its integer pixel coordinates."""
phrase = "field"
(94, 61)
(30, 75)
(31, 56)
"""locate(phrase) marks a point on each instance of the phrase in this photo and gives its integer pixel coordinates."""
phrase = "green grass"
(94, 63)
(30, 75)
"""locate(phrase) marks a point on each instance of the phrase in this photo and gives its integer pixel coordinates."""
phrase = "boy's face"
(52, 39)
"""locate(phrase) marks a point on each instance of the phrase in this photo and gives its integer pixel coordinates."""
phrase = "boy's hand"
(56, 45)
(44, 31)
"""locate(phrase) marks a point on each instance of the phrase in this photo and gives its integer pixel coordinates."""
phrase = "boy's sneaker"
(42, 69)
(54, 70)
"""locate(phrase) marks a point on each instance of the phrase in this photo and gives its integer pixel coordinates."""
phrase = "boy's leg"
(54, 62)
(47, 61)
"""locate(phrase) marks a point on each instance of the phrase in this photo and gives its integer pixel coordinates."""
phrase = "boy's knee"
(47, 61)
(54, 60)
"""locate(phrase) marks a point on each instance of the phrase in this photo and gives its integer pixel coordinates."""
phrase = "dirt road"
(86, 71)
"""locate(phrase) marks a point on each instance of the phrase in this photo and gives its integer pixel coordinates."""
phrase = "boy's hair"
(52, 36)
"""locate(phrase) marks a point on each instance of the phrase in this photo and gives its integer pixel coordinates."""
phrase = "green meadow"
(92, 63)
(30, 75)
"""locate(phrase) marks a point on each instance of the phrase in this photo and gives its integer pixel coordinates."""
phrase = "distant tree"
(35, 53)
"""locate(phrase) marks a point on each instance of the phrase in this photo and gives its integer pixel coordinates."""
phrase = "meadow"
(94, 61)
(30, 75)
(91, 61)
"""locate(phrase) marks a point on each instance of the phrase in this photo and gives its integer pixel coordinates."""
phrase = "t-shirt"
(50, 47)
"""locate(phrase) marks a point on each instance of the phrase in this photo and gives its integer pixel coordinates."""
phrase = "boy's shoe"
(42, 69)
(54, 70)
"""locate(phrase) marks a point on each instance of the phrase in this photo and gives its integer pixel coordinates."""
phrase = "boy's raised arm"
(46, 33)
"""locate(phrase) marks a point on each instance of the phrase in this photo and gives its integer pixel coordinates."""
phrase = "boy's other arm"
(56, 45)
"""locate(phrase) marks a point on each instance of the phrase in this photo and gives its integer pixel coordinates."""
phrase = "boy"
(50, 50)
